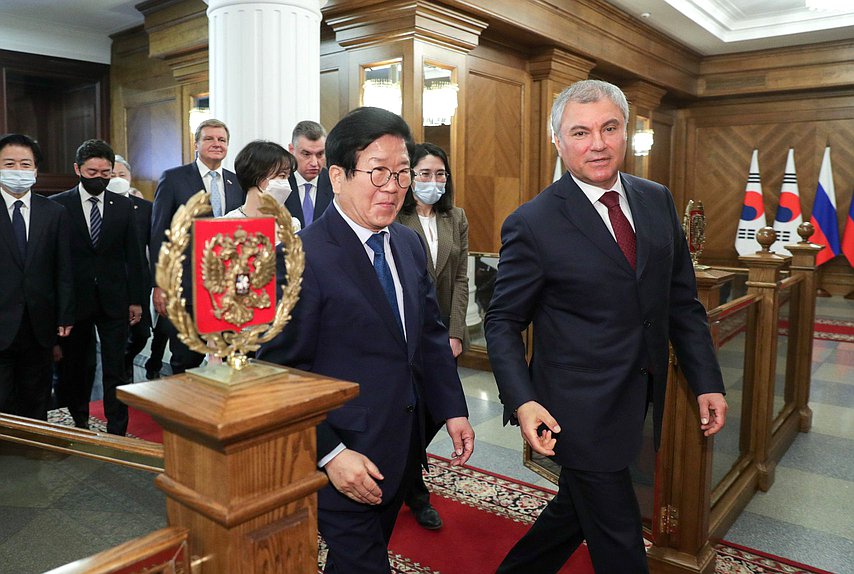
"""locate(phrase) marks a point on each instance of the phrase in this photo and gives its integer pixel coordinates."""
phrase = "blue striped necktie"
(94, 222)
(216, 198)
(377, 245)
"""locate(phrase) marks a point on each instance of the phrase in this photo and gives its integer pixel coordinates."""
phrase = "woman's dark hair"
(258, 160)
(359, 129)
(446, 202)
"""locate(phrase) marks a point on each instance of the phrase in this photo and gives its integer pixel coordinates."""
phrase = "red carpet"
(140, 425)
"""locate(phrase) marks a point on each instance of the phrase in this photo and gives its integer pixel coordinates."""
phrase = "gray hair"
(124, 162)
(587, 92)
(312, 131)
(211, 123)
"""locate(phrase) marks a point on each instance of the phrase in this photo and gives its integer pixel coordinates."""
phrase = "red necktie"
(622, 228)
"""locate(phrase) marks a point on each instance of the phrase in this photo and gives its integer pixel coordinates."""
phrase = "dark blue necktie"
(377, 245)
(20, 229)
(94, 222)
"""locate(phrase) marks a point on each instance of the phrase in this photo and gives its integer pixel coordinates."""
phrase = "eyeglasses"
(427, 175)
(381, 176)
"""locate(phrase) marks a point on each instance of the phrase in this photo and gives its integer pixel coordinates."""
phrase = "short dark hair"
(94, 148)
(258, 160)
(446, 202)
(23, 141)
(357, 130)
(211, 123)
(312, 131)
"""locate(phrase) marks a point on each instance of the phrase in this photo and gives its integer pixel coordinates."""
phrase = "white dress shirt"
(25, 209)
(205, 172)
(301, 181)
(593, 193)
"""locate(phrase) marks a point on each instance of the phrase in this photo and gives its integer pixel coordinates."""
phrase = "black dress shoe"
(427, 517)
(151, 374)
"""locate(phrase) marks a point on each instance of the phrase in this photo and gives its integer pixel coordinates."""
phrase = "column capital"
(371, 23)
(643, 96)
(559, 66)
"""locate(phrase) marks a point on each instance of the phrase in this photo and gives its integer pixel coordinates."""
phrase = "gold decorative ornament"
(694, 226)
(239, 300)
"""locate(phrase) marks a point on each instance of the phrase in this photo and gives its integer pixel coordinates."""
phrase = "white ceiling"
(80, 29)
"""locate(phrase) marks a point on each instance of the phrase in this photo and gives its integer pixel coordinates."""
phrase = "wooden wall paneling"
(330, 102)
(497, 144)
(718, 142)
(660, 157)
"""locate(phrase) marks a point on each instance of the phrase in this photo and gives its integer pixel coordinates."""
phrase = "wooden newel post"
(684, 469)
(803, 263)
(240, 466)
(763, 278)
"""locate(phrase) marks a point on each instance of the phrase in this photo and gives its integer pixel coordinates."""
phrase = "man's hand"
(354, 475)
(64, 330)
(462, 435)
(159, 298)
(712, 412)
(134, 314)
(531, 415)
(456, 347)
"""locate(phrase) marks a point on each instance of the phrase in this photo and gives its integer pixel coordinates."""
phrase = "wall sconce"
(642, 142)
(440, 103)
(382, 89)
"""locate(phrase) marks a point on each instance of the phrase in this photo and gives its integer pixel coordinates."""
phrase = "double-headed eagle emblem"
(235, 270)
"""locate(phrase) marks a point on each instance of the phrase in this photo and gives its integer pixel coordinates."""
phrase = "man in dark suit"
(108, 285)
(599, 264)
(37, 287)
(121, 184)
(367, 313)
(176, 186)
(311, 192)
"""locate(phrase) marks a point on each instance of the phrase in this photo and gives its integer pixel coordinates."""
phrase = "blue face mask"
(17, 181)
(428, 192)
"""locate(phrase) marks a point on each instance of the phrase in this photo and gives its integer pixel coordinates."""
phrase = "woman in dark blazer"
(429, 210)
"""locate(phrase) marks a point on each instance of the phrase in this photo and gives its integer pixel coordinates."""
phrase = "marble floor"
(805, 516)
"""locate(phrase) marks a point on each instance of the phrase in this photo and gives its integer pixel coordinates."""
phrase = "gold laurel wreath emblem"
(230, 345)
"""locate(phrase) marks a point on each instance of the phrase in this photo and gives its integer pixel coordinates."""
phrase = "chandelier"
(439, 103)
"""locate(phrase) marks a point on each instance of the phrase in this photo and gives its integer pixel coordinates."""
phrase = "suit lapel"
(411, 221)
(445, 231)
(641, 217)
(38, 225)
(407, 272)
(75, 210)
(292, 203)
(354, 261)
(581, 213)
(9, 236)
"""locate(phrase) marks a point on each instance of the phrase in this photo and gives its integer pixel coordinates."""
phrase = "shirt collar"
(593, 192)
(11, 199)
(301, 181)
(363, 233)
(204, 170)
(85, 195)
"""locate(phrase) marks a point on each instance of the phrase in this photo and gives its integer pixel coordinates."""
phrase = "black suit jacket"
(176, 186)
(322, 200)
(142, 220)
(114, 269)
(43, 284)
(601, 329)
(344, 327)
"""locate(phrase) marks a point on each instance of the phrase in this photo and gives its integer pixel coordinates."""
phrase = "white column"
(264, 67)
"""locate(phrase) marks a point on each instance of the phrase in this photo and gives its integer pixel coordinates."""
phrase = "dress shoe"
(152, 374)
(427, 517)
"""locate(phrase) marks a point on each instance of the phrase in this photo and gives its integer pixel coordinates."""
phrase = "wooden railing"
(701, 489)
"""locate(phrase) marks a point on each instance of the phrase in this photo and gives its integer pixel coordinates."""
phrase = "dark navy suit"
(175, 188)
(344, 327)
(321, 201)
(601, 332)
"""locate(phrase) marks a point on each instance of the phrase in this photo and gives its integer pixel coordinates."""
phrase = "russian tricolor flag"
(823, 215)
(752, 211)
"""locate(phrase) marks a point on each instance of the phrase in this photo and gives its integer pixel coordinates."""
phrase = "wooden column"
(643, 99)
(552, 70)
(240, 466)
(803, 263)
(763, 277)
(683, 477)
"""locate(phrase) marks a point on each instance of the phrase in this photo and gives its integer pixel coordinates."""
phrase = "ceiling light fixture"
(828, 5)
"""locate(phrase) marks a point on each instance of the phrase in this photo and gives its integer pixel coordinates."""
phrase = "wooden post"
(763, 276)
(683, 478)
(803, 263)
(240, 466)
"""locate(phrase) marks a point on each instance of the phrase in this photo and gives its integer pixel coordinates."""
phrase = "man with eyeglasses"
(367, 313)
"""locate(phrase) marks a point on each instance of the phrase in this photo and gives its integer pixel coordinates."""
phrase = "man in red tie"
(599, 264)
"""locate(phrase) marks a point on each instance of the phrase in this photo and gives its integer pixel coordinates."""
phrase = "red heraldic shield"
(234, 273)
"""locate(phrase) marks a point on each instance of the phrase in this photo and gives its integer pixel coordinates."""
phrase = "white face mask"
(428, 192)
(119, 185)
(17, 181)
(280, 189)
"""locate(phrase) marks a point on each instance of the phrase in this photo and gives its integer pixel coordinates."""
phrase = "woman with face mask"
(429, 210)
(263, 167)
